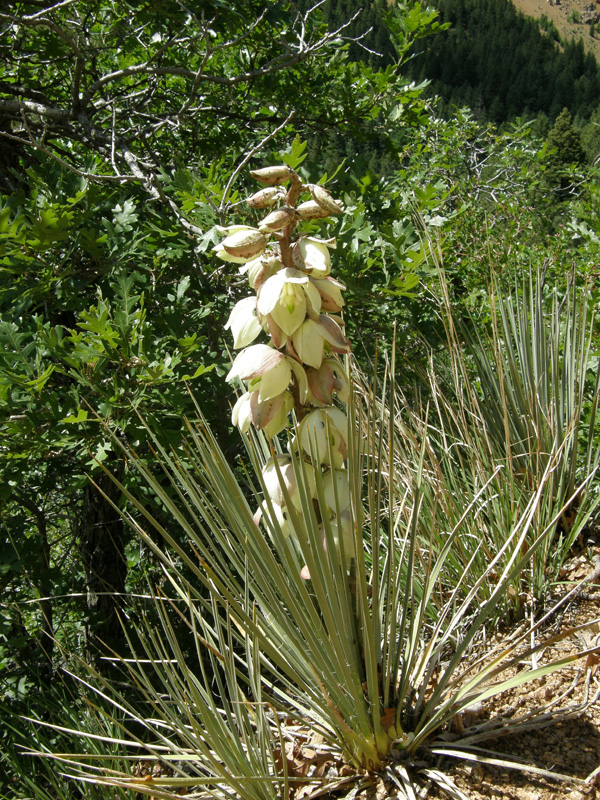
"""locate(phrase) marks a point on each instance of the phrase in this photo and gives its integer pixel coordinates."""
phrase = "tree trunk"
(101, 538)
(39, 579)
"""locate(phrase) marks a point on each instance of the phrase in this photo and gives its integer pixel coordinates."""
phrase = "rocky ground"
(569, 746)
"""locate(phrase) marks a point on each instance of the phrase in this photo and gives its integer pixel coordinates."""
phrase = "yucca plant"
(312, 661)
(537, 391)
(522, 403)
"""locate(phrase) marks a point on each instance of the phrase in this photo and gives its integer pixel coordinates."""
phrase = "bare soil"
(561, 14)
(569, 746)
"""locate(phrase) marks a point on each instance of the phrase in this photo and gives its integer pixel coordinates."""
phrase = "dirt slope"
(562, 13)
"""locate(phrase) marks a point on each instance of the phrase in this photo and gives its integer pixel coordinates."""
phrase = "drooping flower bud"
(313, 254)
(266, 198)
(324, 199)
(273, 175)
(311, 210)
(260, 269)
(337, 484)
(278, 219)
(245, 243)
(342, 531)
(273, 484)
(322, 435)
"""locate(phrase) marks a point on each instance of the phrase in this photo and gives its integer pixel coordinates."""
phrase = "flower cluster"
(296, 304)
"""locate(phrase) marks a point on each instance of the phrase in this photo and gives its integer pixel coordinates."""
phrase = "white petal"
(315, 254)
(275, 381)
(312, 436)
(289, 315)
(308, 343)
(269, 293)
(253, 361)
(240, 414)
(314, 297)
(280, 420)
(244, 323)
(301, 379)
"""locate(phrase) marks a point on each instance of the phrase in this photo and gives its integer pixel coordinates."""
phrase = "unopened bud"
(311, 210)
(273, 175)
(245, 243)
(324, 199)
(278, 219)
(266, 198)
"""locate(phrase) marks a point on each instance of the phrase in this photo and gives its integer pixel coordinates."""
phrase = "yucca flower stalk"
(295, 378)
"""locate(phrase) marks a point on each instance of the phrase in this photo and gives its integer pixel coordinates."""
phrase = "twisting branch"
(224, 206)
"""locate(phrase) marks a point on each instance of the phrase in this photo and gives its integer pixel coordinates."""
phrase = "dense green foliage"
(112, 304)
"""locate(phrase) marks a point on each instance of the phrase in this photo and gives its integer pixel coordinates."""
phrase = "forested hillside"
(501, 64)
(492, 59)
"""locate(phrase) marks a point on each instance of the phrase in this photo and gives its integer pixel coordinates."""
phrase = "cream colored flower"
(287, 477)
(270, 415)
(287, 297)
(313, 254)
(342, 531)
(309, 340)
(269, 371)
(241, 415)
(328, 379)
(244, 323)
(260, 269)
(337, 483)
(331, 294)
(323, 436)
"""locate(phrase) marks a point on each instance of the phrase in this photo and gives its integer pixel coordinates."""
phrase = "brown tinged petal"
(266, 198)
(268, 411)
(245, 244)
(326, 380)
(273, 175)
(324, 199)
(311, 210)
(278, 219)
(332, 333)
(278, 336)
(331, 294)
